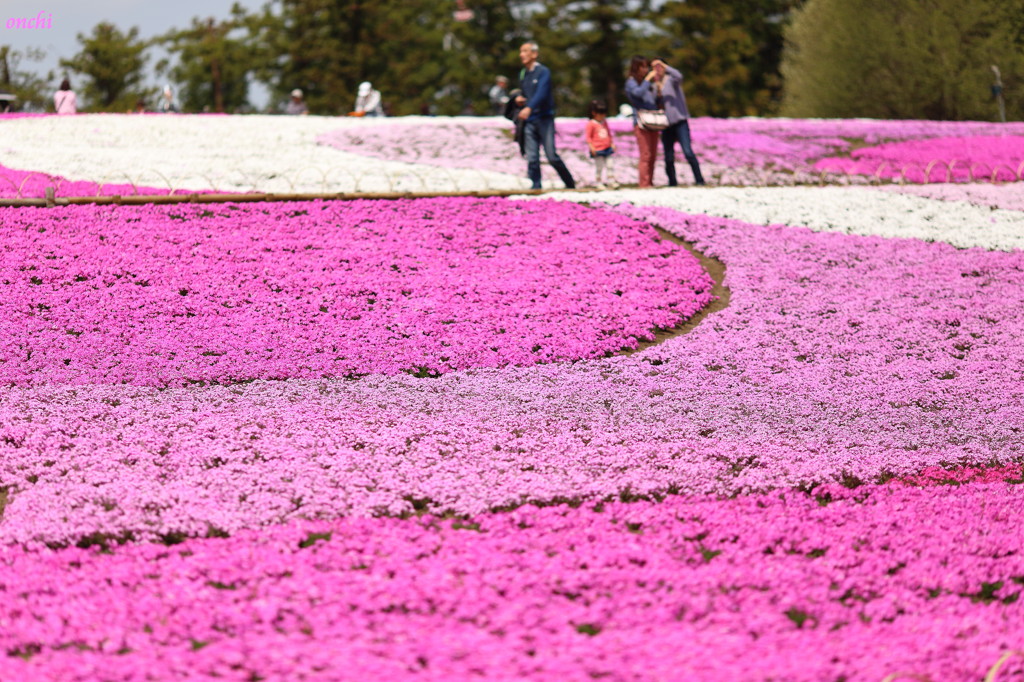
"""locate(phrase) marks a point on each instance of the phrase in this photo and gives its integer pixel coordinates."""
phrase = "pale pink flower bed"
(1009, 196)
(731, 151)
(748, 152)
(255, 529)
(834, 584)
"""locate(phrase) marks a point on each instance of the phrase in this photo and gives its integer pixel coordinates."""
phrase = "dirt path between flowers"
(713, 267)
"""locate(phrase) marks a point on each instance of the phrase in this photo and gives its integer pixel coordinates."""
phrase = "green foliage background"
(819, 58)
(26, 85)
(214, 59)
(112, 62)
(928, 59)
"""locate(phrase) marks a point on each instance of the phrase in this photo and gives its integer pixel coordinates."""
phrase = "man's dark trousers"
(541, 132)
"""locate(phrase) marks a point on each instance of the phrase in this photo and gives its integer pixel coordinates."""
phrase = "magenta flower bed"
(21, 114)
(839, 356)
(207, 518)
(157, 296)
(945, 159)
(19, 184)
(828, 585)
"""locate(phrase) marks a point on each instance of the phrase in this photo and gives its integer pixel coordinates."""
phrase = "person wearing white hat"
(167, 105)
(498, 95)
(296, 105)
(368, 101)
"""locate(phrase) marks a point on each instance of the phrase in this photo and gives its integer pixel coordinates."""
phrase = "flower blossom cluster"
(162, 295)
(27, 184)
(837, 356)
(902, 213)
(944, 159)
(834, 583)
(129, 154)
(1009, 196)
(11, 115)
(746, 152)
(821, 480)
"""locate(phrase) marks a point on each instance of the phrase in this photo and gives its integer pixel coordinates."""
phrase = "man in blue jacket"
(538, 102)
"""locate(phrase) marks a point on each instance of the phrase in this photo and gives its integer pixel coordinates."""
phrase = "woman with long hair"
(641, 92)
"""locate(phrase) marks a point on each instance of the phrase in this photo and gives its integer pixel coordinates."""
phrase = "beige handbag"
(652, 119)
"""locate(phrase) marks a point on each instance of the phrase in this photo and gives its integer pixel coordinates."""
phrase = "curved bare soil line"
(713, 267)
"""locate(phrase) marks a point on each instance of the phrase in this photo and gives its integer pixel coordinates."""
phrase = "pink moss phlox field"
(731, 151)
(17, 184)
(960, 475)
(945, 159)
(745, 152)
(831, 584)
(159, 295)
(838, 358)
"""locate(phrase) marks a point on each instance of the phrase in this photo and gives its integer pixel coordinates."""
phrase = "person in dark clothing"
(512, 113)
(538, 112)
(669, 83)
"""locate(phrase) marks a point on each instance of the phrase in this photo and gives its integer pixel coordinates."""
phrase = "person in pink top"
(64, 100)
(601, 143)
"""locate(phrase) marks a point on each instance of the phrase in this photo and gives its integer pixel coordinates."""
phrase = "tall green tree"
(417, 53)
(410, 68)
(480, 48)
(112, 63)
(729, 52)
(587, 45)
(327, 47)
(214, 60)
(904, 58)
(30, 89)
(315, 45)
(729, 49)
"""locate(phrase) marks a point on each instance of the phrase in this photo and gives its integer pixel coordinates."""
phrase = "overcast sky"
(71, 17)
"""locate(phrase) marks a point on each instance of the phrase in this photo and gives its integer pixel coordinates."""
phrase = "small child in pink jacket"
(601, 143)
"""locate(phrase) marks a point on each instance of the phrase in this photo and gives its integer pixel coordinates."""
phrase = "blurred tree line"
(442, 56)
(432, 57)
(17, 80)
(880, 58)
(929, 59)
